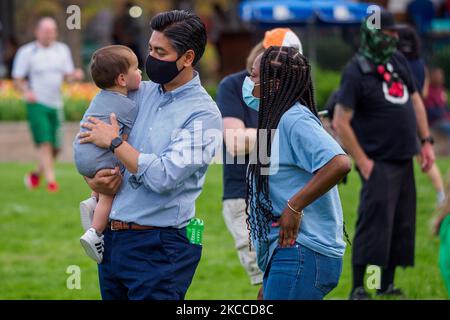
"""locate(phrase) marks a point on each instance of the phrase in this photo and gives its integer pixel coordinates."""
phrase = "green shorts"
(45, 124)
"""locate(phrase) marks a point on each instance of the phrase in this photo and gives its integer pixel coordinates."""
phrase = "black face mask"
(160, 71)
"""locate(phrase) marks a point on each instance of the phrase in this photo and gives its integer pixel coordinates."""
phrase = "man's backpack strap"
(364, 64)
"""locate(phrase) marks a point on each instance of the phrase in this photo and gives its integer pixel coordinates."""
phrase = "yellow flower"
(73, 91)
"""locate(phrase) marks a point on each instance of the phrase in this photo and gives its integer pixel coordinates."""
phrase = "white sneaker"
(87, 208)
(93, 244)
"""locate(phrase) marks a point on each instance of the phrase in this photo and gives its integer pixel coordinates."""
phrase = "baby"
(114, 69)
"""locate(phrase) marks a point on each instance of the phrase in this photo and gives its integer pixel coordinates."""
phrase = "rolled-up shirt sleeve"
(192, 148)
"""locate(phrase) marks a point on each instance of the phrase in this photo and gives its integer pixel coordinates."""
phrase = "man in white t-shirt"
(39, 69)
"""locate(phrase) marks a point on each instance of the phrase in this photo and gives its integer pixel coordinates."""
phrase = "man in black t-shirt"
(379, 116)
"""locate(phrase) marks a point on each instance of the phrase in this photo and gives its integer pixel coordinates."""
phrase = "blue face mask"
(247, 94)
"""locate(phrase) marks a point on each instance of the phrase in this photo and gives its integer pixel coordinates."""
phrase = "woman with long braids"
(293, 206)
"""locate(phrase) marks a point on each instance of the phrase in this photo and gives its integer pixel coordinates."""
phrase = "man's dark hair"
(108, 63)
(184, 30)
(409, 42)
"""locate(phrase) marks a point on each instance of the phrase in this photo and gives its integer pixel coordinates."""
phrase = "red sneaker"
(52, 187)
(32, 180)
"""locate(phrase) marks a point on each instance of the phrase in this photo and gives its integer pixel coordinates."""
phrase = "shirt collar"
(195, 81)
(40, 46)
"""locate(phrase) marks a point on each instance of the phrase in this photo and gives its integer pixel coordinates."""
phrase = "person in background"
(409, 45)
(39, 69)
(378, 116)
(447, 9)
(421, 13)
(240, 124)
(127, 31)
(436, 102)
(444, 9)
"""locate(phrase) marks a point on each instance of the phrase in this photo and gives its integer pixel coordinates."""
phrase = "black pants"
(385, 230)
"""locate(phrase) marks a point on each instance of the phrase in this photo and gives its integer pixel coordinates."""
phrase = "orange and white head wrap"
(282, 37)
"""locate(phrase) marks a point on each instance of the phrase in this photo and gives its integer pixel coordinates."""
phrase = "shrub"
(325, 82)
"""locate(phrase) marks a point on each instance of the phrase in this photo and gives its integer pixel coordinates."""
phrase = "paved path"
(16, 144)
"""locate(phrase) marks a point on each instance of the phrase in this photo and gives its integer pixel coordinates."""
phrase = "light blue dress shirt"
(300, 147)
(177, 134)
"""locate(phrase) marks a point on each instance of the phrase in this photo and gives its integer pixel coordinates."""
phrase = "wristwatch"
(427, 139)
(116, 142)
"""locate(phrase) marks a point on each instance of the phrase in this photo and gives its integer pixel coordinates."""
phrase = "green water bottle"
(194, 231)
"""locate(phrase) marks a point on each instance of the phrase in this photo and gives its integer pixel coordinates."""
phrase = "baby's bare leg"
(101, 213)
(94, 195)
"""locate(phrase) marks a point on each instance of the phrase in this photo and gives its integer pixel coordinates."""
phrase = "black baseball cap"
(387, 21)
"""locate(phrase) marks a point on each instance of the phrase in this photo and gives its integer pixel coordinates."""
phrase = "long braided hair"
(285, 79)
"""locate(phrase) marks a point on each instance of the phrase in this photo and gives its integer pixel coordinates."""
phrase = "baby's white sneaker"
(87, 208)
(93, 244)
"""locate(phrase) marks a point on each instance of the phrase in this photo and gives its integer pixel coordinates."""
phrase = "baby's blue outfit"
(88, 157)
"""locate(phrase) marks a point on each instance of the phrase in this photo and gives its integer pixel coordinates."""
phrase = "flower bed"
(76, 100)
(78, 95)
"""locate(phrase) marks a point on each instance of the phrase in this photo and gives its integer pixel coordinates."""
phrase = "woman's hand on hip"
(289, 224)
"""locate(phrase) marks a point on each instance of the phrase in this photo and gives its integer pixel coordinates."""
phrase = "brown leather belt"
(116, 225)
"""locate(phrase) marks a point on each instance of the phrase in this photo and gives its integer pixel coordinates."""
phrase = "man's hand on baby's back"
(106, 181)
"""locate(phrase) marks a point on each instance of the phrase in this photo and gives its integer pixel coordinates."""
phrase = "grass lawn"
(39, 240)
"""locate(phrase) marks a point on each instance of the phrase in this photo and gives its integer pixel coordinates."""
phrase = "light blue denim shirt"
(177, 134)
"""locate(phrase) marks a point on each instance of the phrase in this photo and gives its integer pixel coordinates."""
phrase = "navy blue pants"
(156, 264)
